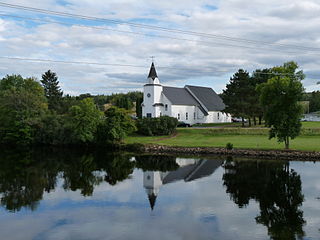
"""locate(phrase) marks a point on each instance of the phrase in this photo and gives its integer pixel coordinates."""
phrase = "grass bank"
(241, 138)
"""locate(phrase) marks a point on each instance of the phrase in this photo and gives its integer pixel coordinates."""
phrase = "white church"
(191, 104)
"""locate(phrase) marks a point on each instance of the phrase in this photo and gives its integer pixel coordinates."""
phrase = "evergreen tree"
(258, 77)
(52, 90)
(237, 95)
(139, 107)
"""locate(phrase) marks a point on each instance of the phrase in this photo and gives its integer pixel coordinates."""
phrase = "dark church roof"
(152, 72)
(205, 168)
(207, 97)
(193, 171)
(179, 96)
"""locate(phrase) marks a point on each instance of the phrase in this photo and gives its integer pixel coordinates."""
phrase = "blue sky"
(196, 60)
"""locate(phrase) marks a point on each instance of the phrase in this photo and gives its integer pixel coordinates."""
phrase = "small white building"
(191, 104)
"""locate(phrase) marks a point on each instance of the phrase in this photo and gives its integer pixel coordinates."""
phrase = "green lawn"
(240, 138)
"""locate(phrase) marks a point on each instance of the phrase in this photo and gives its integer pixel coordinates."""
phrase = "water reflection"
(276, 187)
(173, 169)
(25, 177)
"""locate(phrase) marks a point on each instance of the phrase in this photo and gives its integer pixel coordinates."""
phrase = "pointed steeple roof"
(152, 200)
(152, 72)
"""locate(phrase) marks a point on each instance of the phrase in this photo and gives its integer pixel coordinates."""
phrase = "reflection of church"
(189, 170)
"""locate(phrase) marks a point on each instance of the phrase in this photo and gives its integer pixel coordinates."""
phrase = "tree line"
(26, 175)
(33, 112)
(273, 94)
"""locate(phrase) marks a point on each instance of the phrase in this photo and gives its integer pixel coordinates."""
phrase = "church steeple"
(152, 72)
(152, 200)
(153, 77)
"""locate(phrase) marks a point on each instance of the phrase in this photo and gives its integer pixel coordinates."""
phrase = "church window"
(160, 114)
(186, 116)
(149, 115)
(178, 116)
(148, 95)
(166, 107)
(218, 116)
(194, 115)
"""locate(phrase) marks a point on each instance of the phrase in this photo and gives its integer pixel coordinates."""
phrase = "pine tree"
(237, 95)
(52, 90)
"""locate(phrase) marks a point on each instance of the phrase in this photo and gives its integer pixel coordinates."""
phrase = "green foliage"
(51, 130)
(279, 97)
(229, 146)
(139, 107)
(122, 101)
(22, 104)
(83, 120)
(156, 163)
(237, 94)
(115, 127)
(157, 126)
(314, 100)
(52, 90)
(277, 191)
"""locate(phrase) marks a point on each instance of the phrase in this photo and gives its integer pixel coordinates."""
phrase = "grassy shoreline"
(241, 138)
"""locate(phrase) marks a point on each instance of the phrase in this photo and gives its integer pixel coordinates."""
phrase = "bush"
(115, 127)
(229, 146)
(157, 126)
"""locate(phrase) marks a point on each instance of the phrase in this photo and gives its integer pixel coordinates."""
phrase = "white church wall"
(154, 91)
(167, 106)
(152, 182)
(213, 117)
(179, 112)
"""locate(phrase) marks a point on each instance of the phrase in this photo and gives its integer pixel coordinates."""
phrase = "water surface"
(73, 195)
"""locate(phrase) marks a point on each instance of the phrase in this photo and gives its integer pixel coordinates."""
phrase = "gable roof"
(207, 97)
(179, 96)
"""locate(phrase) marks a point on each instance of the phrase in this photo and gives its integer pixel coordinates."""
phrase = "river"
(64, 194)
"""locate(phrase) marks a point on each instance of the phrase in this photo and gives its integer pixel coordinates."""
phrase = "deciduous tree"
(279, 98)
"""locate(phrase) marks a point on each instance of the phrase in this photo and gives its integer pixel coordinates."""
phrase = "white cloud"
(288, 22)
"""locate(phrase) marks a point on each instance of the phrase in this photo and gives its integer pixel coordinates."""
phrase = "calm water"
(69, 195)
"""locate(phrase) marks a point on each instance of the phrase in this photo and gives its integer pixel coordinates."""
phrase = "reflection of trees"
(156, 163)
(22, 182)
(275, 187)
(117, 166)
(24, 177)
(79, 173)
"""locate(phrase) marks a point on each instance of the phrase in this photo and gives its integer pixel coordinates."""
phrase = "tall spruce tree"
(52, 90)
(237, 95)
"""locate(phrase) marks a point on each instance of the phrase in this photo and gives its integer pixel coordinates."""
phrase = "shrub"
(116, 125)
(229, 146)
(157, 126)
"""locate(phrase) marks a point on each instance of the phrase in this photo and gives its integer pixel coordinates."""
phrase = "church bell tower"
(152, 106)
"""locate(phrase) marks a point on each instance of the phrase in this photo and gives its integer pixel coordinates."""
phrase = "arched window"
(186, 116)
(178, 116)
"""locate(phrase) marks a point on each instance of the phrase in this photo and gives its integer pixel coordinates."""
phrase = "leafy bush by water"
(157, 126)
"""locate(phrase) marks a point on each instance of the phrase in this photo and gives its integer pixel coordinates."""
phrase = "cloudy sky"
(234, 34)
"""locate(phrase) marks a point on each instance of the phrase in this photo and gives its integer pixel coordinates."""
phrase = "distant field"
(311, 124)
(249, 138)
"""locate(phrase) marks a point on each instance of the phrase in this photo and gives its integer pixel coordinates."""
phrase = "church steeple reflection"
(188, 170)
